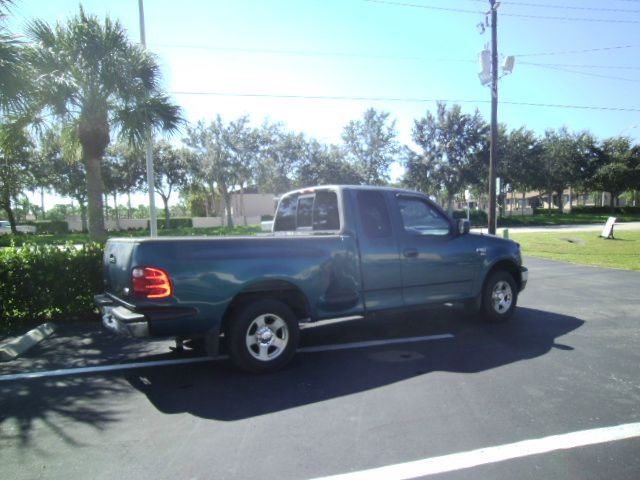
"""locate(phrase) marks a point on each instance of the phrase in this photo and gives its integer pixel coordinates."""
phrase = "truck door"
(437, 264)
(379, 252)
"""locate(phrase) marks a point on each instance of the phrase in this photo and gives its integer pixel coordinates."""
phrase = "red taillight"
(150, 282)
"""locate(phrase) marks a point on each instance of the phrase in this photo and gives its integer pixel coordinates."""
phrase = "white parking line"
(183, 361)
(500, 453)
(104, 368)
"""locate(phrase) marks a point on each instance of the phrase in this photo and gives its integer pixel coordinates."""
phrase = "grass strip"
(584, 248)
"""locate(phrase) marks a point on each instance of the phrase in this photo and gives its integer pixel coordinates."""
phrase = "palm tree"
(12, 73)
(93, 79)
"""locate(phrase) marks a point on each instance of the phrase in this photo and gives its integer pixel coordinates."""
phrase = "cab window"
(316, 211)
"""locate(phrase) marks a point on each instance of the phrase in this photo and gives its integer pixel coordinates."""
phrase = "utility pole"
(153, 219)
(493, 155)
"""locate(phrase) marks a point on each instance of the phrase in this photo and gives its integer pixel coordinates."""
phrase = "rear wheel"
(263, 336)
(499, 297)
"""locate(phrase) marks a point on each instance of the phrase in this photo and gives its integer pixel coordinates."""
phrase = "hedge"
(50, 227)
(477, 217)
(606, 210)
(177, 222)
(48, 282)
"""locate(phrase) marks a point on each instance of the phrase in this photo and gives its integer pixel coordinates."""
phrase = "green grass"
(555, 218)
(61, 239)
(584, 248)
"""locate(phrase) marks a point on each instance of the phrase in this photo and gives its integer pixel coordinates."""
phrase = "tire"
(499, 297)
(263, 336)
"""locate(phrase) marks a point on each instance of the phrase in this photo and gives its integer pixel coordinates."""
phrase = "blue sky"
(407, 49)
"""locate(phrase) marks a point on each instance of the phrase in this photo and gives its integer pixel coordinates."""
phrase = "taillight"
(150, 282)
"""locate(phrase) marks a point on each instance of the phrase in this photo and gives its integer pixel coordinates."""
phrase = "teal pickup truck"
(335, 251)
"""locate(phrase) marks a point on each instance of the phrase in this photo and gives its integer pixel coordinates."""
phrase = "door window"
(418, 217)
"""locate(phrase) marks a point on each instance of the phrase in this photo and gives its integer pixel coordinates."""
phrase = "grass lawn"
(584, 248)
(543, 219)
(61, 239)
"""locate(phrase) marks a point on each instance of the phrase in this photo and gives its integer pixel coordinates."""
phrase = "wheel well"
(507, 266)
(279, 290)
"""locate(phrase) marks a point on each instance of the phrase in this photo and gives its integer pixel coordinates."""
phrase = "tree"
(223, 154)
(618, 168)
(14, 77)
(93, 79)
(171, 167)
(451, 142)
(325, 165)
(565, 158)
(371, 145)
(15, 159)
(278, 157)
(519, 152)
(131, 168)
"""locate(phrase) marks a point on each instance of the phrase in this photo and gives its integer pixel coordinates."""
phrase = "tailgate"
(117, 266)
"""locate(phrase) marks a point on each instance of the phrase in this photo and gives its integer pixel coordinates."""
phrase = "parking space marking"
(184, 361)
(500, 453)
(105, 368)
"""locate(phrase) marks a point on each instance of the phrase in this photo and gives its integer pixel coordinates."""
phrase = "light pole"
(153, 219)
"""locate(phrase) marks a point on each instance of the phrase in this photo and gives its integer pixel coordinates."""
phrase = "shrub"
(50, 227)
(545, 211)
(48, 282)
(606, 210)
(177, 222)
(477, 217)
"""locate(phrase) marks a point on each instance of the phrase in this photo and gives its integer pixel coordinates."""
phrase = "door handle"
(410, 252)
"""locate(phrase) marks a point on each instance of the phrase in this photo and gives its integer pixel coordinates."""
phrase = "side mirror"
(463, 226)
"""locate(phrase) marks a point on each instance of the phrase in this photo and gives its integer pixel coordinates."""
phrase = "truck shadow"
(219, 392)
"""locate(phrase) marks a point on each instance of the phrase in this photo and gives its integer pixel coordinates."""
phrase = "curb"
(20, 345)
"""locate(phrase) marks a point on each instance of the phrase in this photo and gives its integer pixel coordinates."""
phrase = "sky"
(315, 65)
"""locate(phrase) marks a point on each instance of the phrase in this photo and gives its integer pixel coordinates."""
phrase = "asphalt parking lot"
(555, 393)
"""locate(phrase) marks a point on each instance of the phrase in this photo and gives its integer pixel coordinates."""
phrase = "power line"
(396, 57)
(571, 7)
(570, 52)
(574, 65)
(564, 7)
(315, 53)
(570, 19)
(399, 99)
(428, 7)
(590, 74)
(518, 15)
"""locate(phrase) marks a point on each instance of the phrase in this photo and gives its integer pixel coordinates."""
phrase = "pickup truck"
(334, 252)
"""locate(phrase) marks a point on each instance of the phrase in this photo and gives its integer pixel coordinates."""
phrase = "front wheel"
(499, 297)
(263, 336)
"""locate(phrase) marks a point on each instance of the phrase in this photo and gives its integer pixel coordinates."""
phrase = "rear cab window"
(309, 211)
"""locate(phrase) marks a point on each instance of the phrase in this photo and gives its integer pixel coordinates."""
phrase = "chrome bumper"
(121, 320)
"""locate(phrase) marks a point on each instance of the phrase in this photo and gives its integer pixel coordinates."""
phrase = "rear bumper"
(121, 320)
(524, 277)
